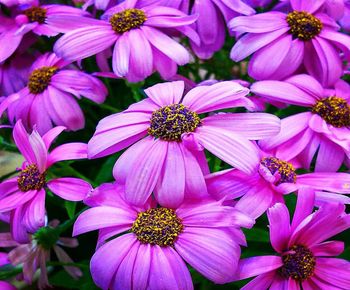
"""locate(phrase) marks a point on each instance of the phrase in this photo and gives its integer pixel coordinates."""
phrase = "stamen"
(170, 122)
(30, 178)
(40, 79)
(36, 14)
(299, 265)
(127, 20)
(157, 226)
(284, 168)
(334, 110)
(303, 25)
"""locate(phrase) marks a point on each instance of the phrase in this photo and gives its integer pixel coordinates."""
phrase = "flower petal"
(74, 189)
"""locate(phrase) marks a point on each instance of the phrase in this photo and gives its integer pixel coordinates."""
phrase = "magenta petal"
(329, 151)
(21, 138)
(334, 271)
(279, 221)
(68, 151)
(304, 206)
(39, 149)
(16, 199)
(331, 248)
(166, 93)
(309, 6)
(142, 267)
(51, 135)
(103, 217)
(34, 212)
(254, 266)
(18, 230)
(170, 187)
(233, 149)
(308, 84)
(144, 173)
(74, 189)
(105, 262)
(210, 251)
(8, 186)
(168, 270)
(263, 281)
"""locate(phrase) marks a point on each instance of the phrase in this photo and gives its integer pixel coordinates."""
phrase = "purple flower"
(140, 38)
(272, 179)
(171, 160)
(23, 196)
(282, 42)
(325, 127)
(36, 253)
(304, 257)
(47, 99)
(48, 20)
(157, 241)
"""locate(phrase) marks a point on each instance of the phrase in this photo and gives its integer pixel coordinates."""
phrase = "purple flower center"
(36, 14)
(335, 111)
(285, 170)
(299, 263)
(157, 226)
(127, 20)
(40, 79)
(30, 178)
(303, 25)
(170, 122)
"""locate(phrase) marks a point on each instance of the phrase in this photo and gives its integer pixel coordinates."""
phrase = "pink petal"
(336, 272)
(308, 6)
(62, 256)
(304, 206)
(254, 266)
(39, 149)
(18, 230)
(331, 248)
(74, 189)
(103, 217)
(34, 212)
(16, 199)
(308, 84)
(329, 151)
(166, 93)
(68, 151)
(330, 181)
(51, 135)
(21, 138)
(142, 267)
(121, 56)
(263, 281)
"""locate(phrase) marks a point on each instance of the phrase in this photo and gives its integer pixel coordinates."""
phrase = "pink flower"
(171, 160)
(48, 20)
(325, 127)
(272, 179)
(36, 253)
(47, 99)
(304, 258)
(23, 196)
(282, 43)
(6, 286)
(152, 254)
(140, 39)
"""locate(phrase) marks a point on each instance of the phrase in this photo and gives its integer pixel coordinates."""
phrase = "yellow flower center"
(303, 25)
(30, 178)
(36, 14)
(40, 79)
(127, 20)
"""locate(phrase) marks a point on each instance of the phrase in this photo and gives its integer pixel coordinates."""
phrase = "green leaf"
(257, 235)
(70, 207)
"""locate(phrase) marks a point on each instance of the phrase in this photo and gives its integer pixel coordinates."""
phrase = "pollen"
(157, 226)
(36, 14)
(334, 110)
(40, 79)
(303, 25)
(170, 122)
(30, 178)
(299, 263)
(128, 19)
(284, 168)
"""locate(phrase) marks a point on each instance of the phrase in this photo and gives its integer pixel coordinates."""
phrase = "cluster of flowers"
(166, 209)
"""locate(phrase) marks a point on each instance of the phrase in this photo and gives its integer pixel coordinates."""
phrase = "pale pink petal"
(62, 256)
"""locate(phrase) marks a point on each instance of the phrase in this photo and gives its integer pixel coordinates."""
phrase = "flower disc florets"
(30, 178)
(334, 110)
(127, 20)
(303, 25)
(170, 122)
(299, 265)
(157, 226)
(284, 168)
(36, 14)
(40, 79)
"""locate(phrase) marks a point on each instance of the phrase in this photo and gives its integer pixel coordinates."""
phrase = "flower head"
(47, 98)
(177, 136)
(23, 196)
(138, 32)
(304, 256)
(154, 242)
(282, 43)
(325, 127)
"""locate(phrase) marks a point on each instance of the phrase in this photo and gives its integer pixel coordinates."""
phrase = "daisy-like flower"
(48, 20)
(324, 128)
(273, 178)
(155, 242)
(36, 253)
(171, 160)
(140, 37)
(6, 286)
(304, 258)
(282, 42)
(47, 99)
(23, 196)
